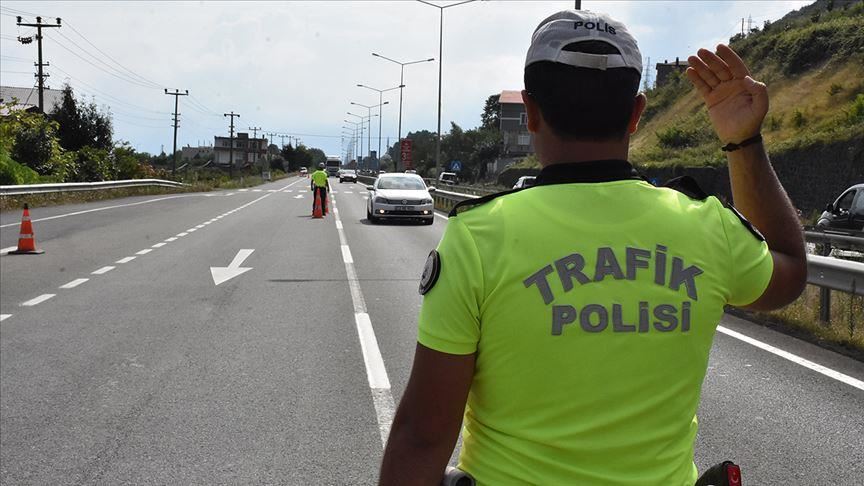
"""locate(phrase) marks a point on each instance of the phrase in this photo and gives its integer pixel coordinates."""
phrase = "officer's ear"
(636, 115)
(533, 111)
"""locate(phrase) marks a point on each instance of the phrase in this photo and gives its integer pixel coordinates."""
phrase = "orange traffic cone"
(26, 238)
(316, 208)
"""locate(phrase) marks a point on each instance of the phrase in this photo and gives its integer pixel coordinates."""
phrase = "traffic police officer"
(571, 321)
(320, 185)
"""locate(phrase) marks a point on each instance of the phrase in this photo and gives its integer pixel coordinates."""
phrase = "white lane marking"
(191, 230)
(365, 197)
(126, 260)
(199, 226)
(223, 274)
(298, 196)
(38, 300)
(376, 372)
(103, 270)
(289, 190)
(794, 358)
(7, 250)
(243, 190)
(74, 283)
(76, 213)
(169, 240)
(334, 192)
(338, 224)
(346, 254)
(181, 235)
(160, 244)
(440, 215)
(256, 190)
(271, 190)
(302, 190)
(3, 317)
(231, 193)
(144, 251)
(336, 210)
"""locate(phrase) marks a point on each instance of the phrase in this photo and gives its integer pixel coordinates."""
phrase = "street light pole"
(369, 116)
(401, 85)
(361, 135)
(440, 73)
(380, 105)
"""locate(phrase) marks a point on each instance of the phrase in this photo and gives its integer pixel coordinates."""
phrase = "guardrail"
(845, 241)
(25, 189)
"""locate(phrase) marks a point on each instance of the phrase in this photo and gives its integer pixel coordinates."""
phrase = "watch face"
(431, 271)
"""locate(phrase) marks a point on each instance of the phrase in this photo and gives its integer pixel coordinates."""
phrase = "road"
(121, 365)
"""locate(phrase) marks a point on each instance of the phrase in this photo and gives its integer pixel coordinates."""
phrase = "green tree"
(93, 165)
(490, 118)
(81, 124)
(30, 140)
(126, 162)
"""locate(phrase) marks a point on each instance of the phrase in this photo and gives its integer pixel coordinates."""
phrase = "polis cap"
(569, 26)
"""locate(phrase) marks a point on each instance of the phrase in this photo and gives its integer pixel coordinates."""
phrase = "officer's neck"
(553, 150)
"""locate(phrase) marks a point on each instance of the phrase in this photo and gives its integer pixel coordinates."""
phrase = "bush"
(798, 119)
(93, 165)
(855, 113)
(13, 173)
(678, 136)
(834, 89)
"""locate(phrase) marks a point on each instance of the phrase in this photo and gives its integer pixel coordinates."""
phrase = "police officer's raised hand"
(736, 103)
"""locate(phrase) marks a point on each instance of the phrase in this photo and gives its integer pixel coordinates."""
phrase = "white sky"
(293, 67)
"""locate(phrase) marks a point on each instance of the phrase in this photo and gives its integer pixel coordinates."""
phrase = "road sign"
(405, 151)
(455, 166)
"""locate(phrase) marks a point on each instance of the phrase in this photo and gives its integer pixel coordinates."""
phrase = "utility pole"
(578, 5)
(283, 137)
(176, 94)
(231, 147)
(26, 40)
(254, 131)
(269, 157)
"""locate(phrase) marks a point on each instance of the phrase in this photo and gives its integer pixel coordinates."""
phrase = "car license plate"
(403, 208)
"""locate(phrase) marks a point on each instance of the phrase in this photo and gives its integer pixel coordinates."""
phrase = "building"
(666, 68)
(202, 152)
(513, 123)
(247, 151)
(28, 98)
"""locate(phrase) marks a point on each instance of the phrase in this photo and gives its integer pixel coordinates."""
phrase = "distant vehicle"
(382, 171)
(304, 171)
(409, 171)
(448, 178)
(846, 213)
(333, 164)
(397, 195)
(525, 181)
(347, 175)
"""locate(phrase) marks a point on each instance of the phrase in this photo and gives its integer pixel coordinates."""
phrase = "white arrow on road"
(224, 274)
(298, 196)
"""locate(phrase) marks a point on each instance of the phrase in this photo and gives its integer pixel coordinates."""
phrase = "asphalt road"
(149, 373)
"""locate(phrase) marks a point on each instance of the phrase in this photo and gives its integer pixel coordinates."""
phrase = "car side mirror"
(370, 188)
(431, 189)
(829, 208)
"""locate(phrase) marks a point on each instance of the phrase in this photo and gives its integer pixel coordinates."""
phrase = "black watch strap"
(729, 147)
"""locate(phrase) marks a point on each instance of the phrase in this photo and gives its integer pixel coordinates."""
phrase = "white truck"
(333, 164)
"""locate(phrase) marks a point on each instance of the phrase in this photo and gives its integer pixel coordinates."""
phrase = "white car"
(403, 196)
(525, 181)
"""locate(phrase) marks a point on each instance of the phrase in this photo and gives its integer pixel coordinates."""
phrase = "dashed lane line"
(126, 259)
(144, 251)
(74, 283)
(376, 372)
(181, 235)
(103, 270)
(7, 250)
(169, 240)
(38, 300)
(3, 317)
(159, 245)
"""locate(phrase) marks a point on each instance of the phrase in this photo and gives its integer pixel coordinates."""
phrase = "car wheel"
(372, 219)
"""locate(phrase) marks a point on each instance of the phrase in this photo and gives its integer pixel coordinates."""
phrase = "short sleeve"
(450, 315)
(751, 264)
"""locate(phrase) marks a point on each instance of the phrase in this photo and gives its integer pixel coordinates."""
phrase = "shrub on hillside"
(855, 113)
(92, 165)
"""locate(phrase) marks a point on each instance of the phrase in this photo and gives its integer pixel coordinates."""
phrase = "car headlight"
(427, 201)
(379, 200)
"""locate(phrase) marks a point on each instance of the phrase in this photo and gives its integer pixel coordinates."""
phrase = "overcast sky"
(292, 67)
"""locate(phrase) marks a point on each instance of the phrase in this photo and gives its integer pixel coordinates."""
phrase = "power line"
(107, 95)
(118, 76)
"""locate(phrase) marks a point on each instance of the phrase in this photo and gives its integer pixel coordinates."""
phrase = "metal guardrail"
(25, 189)
(845, 241)
(836, 274)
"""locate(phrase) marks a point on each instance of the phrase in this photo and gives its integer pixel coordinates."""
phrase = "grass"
(9, 203)
(844, 331)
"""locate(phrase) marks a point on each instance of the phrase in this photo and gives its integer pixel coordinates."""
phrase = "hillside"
(813, 63)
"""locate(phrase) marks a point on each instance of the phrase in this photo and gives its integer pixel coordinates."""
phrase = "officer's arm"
(737, 106)
(428, 420)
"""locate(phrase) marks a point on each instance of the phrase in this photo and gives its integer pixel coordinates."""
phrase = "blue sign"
(455, 166)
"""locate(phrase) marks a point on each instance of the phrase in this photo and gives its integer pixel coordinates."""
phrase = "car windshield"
(348, 172)
(409, 183)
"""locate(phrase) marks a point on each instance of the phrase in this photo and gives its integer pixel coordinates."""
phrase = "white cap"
(569, 26)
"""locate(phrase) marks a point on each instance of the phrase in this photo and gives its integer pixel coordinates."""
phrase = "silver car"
(397, 195)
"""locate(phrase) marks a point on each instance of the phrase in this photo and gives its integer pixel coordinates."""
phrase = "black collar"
(588, 171)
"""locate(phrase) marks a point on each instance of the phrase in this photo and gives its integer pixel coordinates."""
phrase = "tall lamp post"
(353, 129)
(363, 120)
(401, 85)
(440, 63)
(380, 118)
(369, 116)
